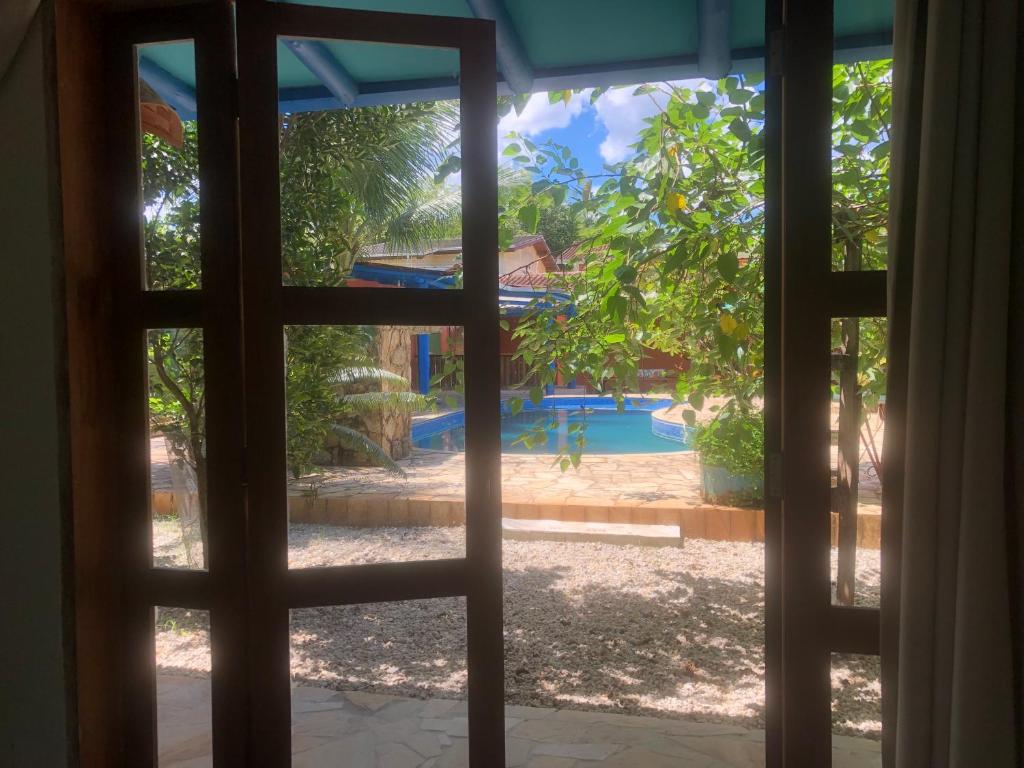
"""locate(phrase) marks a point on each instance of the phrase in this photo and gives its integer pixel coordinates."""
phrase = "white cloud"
(623, 116)
(540, 115)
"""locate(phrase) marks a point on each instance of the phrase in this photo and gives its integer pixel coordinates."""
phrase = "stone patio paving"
(639, 489)
(331, 729)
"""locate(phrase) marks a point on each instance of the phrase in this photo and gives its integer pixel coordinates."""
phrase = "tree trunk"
(199, 456)
(392, 428)
(849, 444)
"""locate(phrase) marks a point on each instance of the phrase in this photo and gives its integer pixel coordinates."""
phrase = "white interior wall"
(34, 711)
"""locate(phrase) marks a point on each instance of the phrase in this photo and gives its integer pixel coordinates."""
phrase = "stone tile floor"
(333, 729)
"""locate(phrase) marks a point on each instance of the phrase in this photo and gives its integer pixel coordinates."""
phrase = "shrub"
(735, 442)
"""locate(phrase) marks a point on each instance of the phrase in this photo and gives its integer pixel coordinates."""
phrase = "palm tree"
(354, 176)
(372, 403)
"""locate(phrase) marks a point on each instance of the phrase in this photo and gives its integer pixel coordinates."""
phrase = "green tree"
(560, 226)
(673, 245)
(348, 178)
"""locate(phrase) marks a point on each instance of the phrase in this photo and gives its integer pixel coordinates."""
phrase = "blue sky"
(597, 133)
(584, 135)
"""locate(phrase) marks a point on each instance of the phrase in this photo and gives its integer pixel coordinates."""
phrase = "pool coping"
(665, 428)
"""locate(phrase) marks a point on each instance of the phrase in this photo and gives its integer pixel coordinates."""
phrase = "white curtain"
(15, 16)
(952, 639)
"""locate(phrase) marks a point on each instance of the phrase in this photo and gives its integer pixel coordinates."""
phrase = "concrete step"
(605, 533)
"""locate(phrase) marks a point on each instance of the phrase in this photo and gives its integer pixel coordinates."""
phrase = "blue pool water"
(607, 431)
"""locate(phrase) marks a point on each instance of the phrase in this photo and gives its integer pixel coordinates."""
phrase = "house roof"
(542, 45)
(522, 279)
(513, 298)
(453, 246)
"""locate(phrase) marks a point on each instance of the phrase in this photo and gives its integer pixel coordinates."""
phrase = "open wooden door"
(226, 299)
(277, 305)
(804, 624)
(195, 303)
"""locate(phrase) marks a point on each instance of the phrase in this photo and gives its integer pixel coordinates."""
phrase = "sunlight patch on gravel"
(670, 632)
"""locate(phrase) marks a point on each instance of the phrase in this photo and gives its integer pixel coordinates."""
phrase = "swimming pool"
(607, 429)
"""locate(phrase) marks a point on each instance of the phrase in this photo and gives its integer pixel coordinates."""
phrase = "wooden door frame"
(114, 579)
(88, 143)
(215, 309)
(802, 626)
(270, 306)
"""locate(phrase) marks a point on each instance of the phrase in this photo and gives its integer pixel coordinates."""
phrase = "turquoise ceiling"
(561, 43)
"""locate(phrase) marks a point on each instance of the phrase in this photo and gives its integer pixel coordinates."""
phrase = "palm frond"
(434, 212)
(369, 403)
(357, 441)
(407, 146)
(367, 373)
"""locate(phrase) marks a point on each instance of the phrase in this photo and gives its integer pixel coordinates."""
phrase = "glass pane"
(365, 482)
(170, 165)
(379, 684)
(858, 433)
(184, 731)
(861, 123)
(856, 711)
(370, 191)
(177, 447)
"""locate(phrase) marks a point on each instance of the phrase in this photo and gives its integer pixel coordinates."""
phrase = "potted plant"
(731, 449)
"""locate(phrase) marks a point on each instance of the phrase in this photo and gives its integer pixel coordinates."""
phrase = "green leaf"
(690, 417)
(616, 306)
(360, 443)
(728, 265)
(451, 164)
(529, 216)
(740, 129)
(536, 395)
(372, 403)
(366, 373)
(676, 258)
(626, 273)
(512, 150)
(696, 399)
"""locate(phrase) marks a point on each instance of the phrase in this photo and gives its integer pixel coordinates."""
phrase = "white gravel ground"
(671, 632)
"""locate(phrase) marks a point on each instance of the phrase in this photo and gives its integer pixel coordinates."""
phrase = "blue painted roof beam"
(714, 55)
(328, 70)
(512, 60)
(180, 96)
